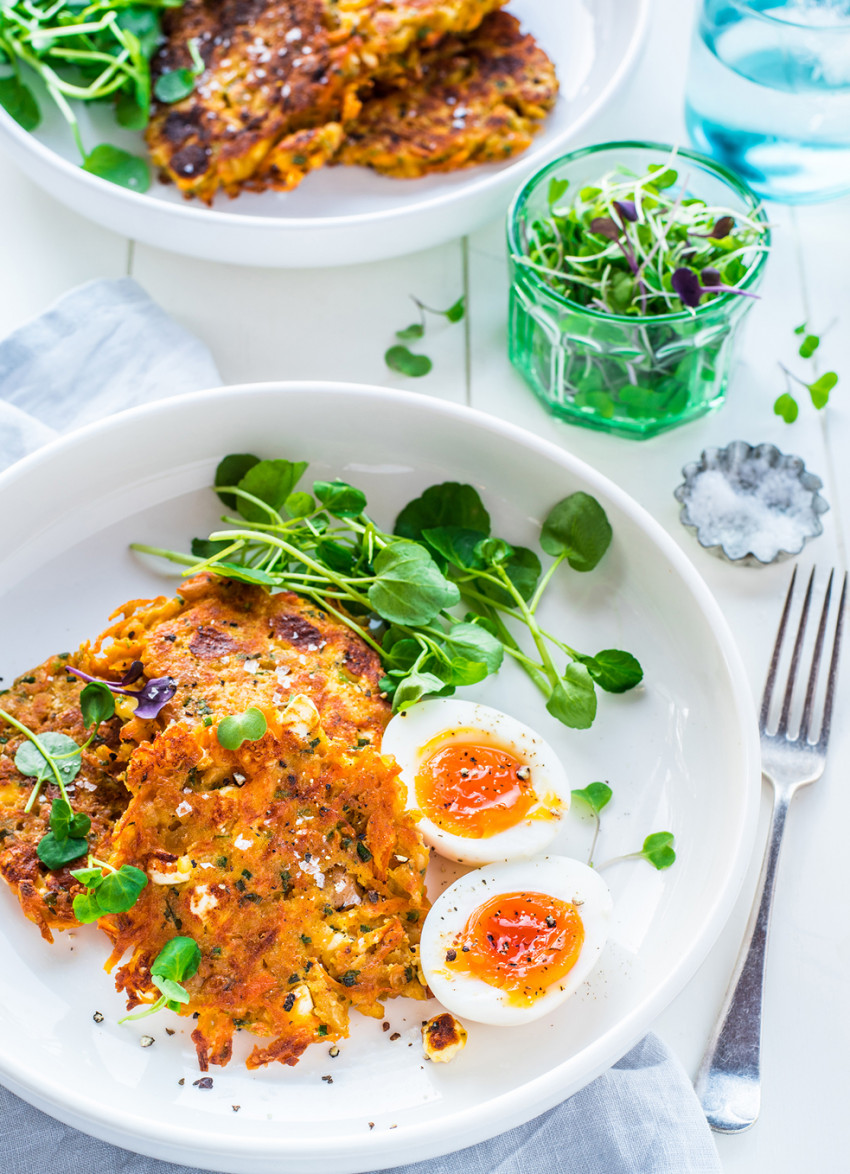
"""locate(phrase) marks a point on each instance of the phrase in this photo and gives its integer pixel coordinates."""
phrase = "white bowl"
(680, 753)
(341, 215)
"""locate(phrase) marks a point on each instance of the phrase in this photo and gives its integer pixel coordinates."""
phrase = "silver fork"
(728, 1083)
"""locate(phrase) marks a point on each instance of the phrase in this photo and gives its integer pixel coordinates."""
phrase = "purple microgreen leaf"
(686, 286)
(153, 696)
(626, 209)
(605, 226)
(135, 671)
(711, 277)
(722, 227)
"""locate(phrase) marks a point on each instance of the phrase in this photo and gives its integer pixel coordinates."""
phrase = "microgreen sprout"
(241, 727)
(640, 245)
(401, 358)
(178, 960)
(114, 890)
(819, 388)
(399, 590)
(176, 84)
(83, 52)
(657, 848)
(150, 698)
(593, 798)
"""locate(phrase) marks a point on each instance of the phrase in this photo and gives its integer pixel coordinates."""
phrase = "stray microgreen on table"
(441, 599)
(400, 358)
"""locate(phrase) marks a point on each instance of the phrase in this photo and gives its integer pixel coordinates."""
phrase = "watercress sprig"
(178, 960)
(83, 52)
(399, 590)
(657, 848)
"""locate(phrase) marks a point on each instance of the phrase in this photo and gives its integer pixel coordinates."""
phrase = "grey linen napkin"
(107, 346)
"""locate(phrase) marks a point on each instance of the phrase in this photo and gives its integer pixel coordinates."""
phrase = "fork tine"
(833, 669)
(782, 728)
(767, 696)
(809, 702)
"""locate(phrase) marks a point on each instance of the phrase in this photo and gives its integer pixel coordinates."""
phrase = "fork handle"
(728, 1082)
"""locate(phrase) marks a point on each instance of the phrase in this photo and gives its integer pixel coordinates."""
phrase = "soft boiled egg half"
(481, 786)
(506, 944)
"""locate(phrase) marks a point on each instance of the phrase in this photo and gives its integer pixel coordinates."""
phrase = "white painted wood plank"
(336, 324)
(47, 249)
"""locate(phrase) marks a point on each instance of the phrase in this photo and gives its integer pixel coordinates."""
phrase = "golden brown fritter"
(478, 99)
(293, 865)
(229, 645)
(281, 79)
(49, 699)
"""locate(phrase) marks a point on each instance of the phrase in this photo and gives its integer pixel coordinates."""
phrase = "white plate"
(343, 214)
(680, 753)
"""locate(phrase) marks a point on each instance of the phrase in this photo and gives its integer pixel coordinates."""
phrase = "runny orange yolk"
(473, 790)
(521, 943)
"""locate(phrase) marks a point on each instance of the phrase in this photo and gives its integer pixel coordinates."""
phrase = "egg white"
(469, 997)
(411, 732)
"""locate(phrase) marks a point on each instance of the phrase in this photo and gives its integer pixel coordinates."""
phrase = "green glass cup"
(635, 376)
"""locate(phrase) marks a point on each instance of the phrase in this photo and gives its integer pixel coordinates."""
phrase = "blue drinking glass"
(769, 94)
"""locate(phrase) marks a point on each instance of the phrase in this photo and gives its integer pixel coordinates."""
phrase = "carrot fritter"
(293, 865)
(281, 78)
(48, 699)
(229, 645)
(478, 99)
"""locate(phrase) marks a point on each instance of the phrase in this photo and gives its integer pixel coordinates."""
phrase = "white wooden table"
(336, 324)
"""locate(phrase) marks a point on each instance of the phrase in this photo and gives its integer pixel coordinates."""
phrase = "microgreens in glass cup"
(632, 266)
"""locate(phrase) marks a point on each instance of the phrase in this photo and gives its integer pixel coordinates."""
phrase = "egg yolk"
(473, 790)
(521, 943)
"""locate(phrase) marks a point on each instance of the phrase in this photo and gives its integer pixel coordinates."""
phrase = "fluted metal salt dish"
(751, 504)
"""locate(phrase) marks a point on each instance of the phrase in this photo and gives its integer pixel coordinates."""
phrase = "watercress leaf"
(820, 389)
(456, 545)
(241, 727)
(172, 990)
(402, 654)
(299, 504)
(493, 551)
(203, 548)
(80, 826)
(556, 189)
(573, 700)
(144, 24)
(244, 574)
(594, 795)
(416, 686)
(119, 891)
(658, 849)
(399, 358)
(230, 471)
(90, 877)
(18, 100)
(335, 556)
(577, 527)
(340, 499)
(613, 670)
(61, 815)
(411, 333)
(97, 704)
(119, 167)
(460, 671)
(30, 761)
(809, 345)
(55, 853)
(271, 482)
(456, 311)
(409, 587)
(174, 85)
(178, 959)
(86, 908)
(130, 111)
(448, 504)
(476, 644)
(786, 407)
(523, 569)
